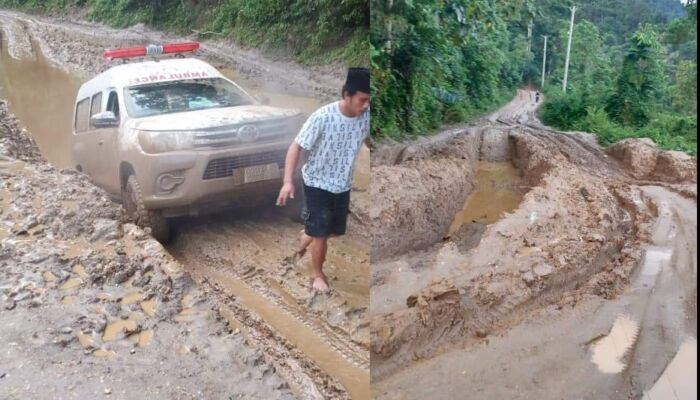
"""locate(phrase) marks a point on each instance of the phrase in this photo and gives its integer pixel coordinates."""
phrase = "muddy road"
(581, 283)
(89, 303)
(239, 262)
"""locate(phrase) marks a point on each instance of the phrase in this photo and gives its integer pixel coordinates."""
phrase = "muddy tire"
(132, 200)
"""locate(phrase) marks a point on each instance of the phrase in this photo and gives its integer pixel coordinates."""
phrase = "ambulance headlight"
(161, 142)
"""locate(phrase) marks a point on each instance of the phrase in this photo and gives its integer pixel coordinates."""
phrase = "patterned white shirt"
(333, 141)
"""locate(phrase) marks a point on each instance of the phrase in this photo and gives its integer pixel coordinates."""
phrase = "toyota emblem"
(248, 133)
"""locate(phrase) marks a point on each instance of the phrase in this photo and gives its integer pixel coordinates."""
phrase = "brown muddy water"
(42, 97)
(499, 189)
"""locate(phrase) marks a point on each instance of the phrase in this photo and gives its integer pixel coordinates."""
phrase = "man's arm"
(290, 165)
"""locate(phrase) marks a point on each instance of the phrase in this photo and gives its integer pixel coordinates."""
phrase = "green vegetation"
(442, 61)
(311, 31)
(644, 87)
(632, 71)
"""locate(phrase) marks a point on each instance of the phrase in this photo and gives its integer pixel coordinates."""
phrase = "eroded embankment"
(575, 232)
(636, 345)
(417, 191)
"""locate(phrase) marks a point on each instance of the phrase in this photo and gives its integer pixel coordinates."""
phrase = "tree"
(436, 61)
(685, 91)
(641, 80)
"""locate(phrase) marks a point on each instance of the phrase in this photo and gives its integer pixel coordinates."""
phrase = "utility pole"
(568, 48)
(529, 35)
(388, 42)
(544, 60)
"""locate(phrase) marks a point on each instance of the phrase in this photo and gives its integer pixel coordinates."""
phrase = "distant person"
(537, 97)
(332, 135)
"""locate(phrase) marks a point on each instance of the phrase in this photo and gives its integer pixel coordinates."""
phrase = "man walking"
(332, 135)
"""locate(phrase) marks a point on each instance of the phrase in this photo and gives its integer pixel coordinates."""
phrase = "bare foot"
(320, 284)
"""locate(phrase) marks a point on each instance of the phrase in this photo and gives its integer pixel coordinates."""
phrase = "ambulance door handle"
(101, 142)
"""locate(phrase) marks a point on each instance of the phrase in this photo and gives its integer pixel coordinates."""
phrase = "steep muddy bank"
(638, 345)
(416, 197)
(418, 187)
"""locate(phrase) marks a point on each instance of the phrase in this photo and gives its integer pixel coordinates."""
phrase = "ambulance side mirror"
(105, 119)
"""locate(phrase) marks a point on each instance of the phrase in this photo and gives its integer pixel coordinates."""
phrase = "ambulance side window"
(82, 111)
(95, 105)
(113, 104)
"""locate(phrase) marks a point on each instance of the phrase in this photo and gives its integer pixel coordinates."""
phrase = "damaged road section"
(318, 343)
(579, 231)
(88, 303)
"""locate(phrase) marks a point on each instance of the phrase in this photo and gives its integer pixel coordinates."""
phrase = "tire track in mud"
(304, 378)
(246, 254)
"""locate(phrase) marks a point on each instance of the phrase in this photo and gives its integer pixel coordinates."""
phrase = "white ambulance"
(173, 136)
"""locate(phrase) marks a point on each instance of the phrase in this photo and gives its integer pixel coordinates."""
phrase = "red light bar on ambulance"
(151, 50)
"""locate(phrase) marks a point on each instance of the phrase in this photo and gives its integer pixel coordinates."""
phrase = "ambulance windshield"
(181, 96)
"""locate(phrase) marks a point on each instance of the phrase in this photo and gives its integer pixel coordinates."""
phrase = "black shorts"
(325, 213)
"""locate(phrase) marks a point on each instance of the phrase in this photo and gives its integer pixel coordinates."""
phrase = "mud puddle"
(42, 97)
(499, 189)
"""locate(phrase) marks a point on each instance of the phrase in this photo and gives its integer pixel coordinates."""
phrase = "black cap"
(357, 80)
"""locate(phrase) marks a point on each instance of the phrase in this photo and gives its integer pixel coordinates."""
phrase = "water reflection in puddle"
(609, 351)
